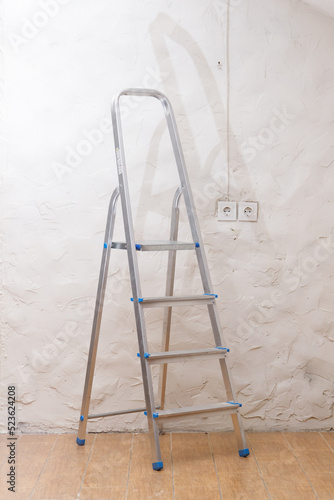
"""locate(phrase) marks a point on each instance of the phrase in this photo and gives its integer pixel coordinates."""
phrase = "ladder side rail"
(97, 317)
(169, 292)
(230, 392)
(193, 220)
(187, 193)
(134, 278)
(202, 261)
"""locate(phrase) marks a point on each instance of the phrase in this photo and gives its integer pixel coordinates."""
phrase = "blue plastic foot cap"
(244, 453)
(82, 418)
(157, 465)
(105, 245)
(80, 442)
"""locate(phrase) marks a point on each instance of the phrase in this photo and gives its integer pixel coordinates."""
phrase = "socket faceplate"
(248, 211)
(227, 210)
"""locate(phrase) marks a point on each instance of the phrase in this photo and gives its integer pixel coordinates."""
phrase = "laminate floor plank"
(323, 485)
(31, 455)
(194, 470)
(280, 468)
(239, 477)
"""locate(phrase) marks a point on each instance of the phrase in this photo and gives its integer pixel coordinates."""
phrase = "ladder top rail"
(143, 93)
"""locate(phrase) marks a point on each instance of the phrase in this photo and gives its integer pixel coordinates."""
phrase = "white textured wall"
(258, 126)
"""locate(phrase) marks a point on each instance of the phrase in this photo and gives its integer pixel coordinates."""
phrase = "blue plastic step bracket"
(154, 415)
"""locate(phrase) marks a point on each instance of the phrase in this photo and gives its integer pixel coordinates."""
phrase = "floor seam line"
(300, 465)
(127, 480)
(88, 460)
(214, 463)
(329, 446)
(172, 465)
(258, 466)
(46, 461)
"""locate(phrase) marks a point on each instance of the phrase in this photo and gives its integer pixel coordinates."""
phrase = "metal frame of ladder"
(155, 412)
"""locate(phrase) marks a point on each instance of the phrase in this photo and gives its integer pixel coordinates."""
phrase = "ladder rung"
(192, 410)
(153, 246)
(177, 356)
(207, 298)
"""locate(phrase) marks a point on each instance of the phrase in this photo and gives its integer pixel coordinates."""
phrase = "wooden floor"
(298, 466)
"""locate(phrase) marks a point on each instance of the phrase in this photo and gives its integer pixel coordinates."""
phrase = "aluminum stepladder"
(158, 413)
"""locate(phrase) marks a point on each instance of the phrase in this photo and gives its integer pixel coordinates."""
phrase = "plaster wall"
(251, 83)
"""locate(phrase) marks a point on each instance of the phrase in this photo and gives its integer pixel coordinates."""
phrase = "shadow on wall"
(326, 7)
(211, 183)
(165, 28)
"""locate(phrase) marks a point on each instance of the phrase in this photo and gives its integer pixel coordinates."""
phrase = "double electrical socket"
(244, 210)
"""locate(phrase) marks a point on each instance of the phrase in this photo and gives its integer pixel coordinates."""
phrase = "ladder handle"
(179, 157)
(177, 198)
(180, 162)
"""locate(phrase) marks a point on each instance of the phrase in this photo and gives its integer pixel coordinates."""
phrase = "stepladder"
(155, 405)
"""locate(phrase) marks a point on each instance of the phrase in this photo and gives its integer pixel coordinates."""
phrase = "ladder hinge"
(139, 300)
(146, 355)
(197, 244)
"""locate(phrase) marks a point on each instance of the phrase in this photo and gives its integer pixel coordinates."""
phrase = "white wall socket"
(247, 211)
(227, 210)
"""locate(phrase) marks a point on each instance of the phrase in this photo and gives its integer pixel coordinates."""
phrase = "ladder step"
(178, 356)
(207, 298)
(154, 246)
(229, 407)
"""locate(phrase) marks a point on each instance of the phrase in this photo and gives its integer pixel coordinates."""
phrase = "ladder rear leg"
(97, 318)
(169, 292)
